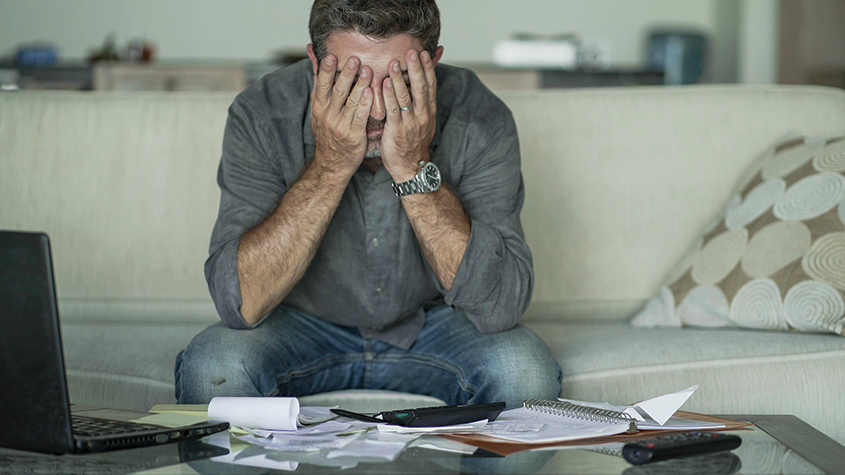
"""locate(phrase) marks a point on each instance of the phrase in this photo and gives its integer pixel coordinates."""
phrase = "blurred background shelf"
(235, 76)
(741, 41)
(171, 76)
(506, 79)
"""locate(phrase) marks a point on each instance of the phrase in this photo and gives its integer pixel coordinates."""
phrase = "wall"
(812, 41)
(758, 42)
(251, 29)
(254, 29)
(197, 29)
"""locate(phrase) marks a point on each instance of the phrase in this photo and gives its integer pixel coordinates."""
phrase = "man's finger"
(391, 105)
(400, 89)
(354, 101)
(430, 76)
(343, 84)
(324, 80)
(362, 112)
(419, 85)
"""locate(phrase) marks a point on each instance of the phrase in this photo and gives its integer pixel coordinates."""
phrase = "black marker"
(356, 416)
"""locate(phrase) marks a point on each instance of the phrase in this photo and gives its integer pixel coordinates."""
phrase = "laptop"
(35, 411)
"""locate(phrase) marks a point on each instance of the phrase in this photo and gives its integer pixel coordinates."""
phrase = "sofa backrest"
(619, 181)
(125, 185)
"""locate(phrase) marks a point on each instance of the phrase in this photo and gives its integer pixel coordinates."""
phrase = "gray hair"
(376, 19)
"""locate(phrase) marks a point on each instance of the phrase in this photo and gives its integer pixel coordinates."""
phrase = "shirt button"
(379, 291)
(374, 242)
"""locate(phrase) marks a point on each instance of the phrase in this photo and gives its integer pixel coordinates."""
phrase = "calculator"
(443, 415)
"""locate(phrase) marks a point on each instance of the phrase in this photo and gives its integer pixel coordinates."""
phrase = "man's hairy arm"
(478, 256)
(274, 256)
(440, 224)
(442, 229)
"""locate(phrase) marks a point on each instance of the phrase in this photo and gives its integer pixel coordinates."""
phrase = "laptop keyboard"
(90, 427)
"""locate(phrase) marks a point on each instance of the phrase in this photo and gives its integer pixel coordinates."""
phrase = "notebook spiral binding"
(567, 409)
(605, 451)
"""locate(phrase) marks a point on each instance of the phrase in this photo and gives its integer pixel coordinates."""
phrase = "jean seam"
(368, 363)
(313, 368)
(436, 362)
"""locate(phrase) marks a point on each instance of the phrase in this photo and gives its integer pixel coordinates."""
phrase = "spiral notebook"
(540, 421)
(583, 413)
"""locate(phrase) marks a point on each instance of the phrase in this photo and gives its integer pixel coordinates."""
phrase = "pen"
(356, 416)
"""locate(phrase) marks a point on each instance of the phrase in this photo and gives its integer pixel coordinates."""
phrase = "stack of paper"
(277, 429)
(278, 433)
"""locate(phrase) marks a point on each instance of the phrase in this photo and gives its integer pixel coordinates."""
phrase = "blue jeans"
(294, 354)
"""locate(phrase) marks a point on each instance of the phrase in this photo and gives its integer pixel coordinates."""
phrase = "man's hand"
(339, 117)
(408, 133)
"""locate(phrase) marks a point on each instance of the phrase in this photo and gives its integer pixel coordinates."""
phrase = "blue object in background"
(679, 54)
(37, 55)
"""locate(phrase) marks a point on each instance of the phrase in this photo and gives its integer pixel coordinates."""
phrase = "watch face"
(431, 175)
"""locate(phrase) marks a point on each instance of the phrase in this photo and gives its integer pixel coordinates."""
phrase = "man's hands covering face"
(338, 116)
(341, 107)
(408, 134)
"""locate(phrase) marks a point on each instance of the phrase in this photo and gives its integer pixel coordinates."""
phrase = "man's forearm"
(274, 256)
(442, 229)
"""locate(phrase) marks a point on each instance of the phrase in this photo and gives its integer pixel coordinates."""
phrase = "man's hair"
(376, 19)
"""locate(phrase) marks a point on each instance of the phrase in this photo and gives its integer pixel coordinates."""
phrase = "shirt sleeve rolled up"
(495, 279)
(250, 188)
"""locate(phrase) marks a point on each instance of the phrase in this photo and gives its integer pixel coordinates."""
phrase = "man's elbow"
(250, 314)
(231, 311)
(494, 318)
(496, 326)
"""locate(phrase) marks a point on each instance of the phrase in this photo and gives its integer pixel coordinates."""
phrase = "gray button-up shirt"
(369, 271)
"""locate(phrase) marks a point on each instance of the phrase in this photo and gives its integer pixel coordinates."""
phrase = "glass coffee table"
(775, 444)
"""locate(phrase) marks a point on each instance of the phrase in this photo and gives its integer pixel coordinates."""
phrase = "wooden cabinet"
(164, 77)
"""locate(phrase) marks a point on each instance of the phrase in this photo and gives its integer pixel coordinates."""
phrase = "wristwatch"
(426, 181)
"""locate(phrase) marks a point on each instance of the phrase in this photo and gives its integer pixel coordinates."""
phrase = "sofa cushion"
(121, 364)
(774, 258)
(740, 372)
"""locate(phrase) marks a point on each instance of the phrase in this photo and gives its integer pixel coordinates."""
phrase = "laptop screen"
(34, 406)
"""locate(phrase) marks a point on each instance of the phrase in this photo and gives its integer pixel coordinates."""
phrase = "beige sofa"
(619, 183)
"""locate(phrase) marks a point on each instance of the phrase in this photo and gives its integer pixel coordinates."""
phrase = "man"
(368, 233)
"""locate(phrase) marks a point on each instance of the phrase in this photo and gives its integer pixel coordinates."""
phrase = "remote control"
(678, 445)
(443, 415)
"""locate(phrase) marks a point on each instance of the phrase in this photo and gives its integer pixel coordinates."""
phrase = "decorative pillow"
(775, 259)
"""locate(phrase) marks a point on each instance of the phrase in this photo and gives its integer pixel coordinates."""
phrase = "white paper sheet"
(513, 428)
(310, 415)
(299, 443)
(444, 445)
(661, 408)
(330, 426)
(369, 448)
(279, 413)
(472, 426)
(556, 428)
(221, 439)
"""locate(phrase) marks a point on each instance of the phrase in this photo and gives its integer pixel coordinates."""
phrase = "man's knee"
(220, 362)
(520, 368)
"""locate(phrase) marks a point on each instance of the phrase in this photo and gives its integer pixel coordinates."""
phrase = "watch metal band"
(407, 187)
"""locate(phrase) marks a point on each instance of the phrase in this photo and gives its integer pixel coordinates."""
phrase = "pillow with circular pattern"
(775, 258)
